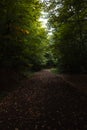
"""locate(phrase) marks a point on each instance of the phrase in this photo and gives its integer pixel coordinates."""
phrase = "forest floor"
(46, 101)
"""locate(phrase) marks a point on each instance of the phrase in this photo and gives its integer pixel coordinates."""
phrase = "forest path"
(44, 102)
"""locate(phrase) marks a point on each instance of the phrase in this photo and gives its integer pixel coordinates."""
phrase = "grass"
(54, 70)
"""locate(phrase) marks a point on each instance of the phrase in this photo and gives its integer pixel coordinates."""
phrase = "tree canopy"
(24, 43)
(22, 37)
(68, 18)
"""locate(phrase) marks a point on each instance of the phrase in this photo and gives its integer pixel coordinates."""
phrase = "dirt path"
(77, 81)
(44, 102)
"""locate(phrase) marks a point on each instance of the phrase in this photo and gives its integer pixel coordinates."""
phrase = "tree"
(21, 36)
(68, 18)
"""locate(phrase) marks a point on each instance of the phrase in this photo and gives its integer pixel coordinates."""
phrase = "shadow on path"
(44, 102)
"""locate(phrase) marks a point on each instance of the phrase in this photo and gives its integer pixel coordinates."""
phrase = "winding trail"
(44, 102)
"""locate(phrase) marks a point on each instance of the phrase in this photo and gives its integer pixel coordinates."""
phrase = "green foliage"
(50, 59)
(22, 38)
(69, 20)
